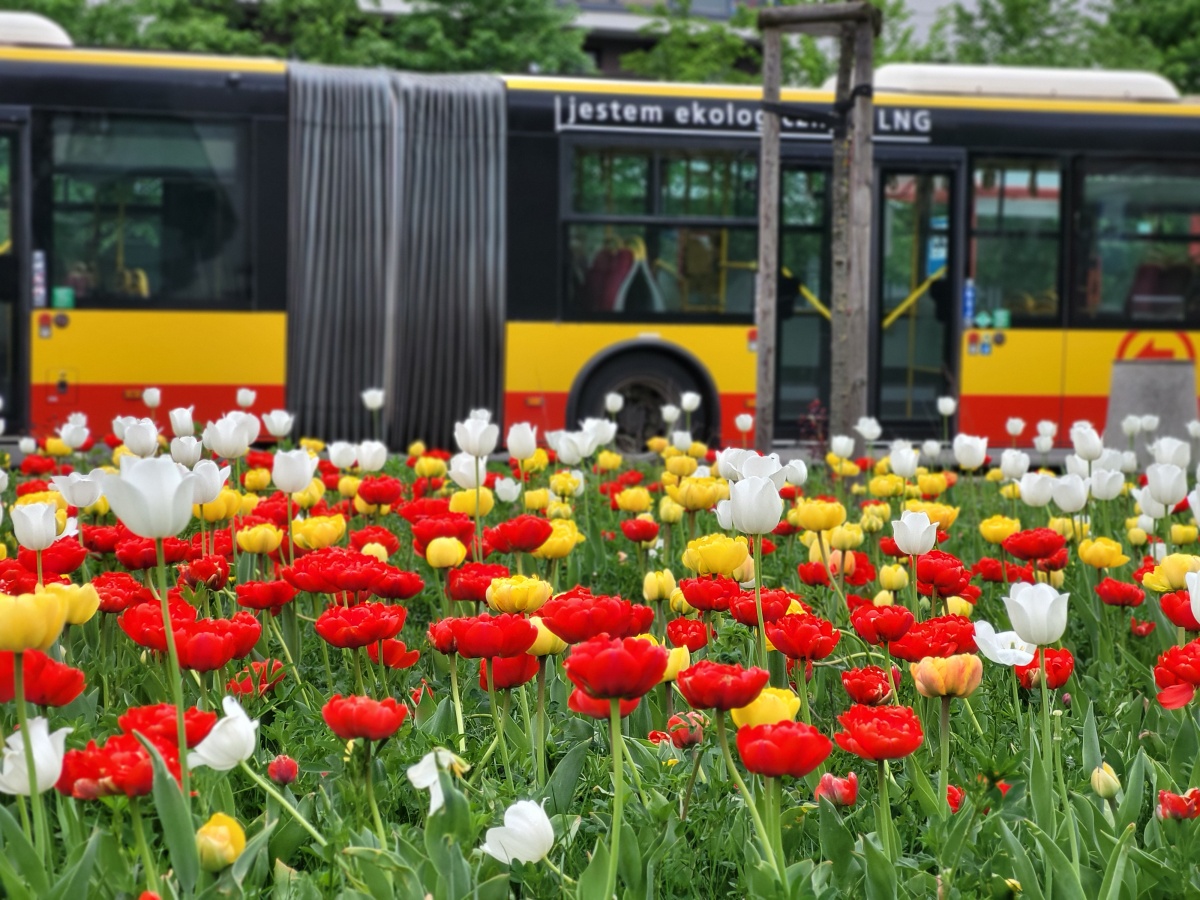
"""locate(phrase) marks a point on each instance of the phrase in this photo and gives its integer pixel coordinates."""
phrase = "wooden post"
(765, 318)
(839, 244)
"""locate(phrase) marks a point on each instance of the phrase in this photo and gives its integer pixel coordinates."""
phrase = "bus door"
(802, 376)
(14, 256)
(915, 355)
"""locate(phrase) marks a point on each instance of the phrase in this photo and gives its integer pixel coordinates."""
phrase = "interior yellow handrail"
(912, 298)
(814, 302)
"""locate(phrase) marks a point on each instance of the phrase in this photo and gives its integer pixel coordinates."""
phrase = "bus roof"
(1021, 81)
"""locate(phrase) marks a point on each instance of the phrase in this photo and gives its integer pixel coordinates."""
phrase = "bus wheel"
(647, 382)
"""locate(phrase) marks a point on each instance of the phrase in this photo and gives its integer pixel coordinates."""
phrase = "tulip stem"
(762, 629)
(139, 833)
(691, 782)
(356, 655)
(173, 672)
(1047, 757)
(35, 795)
(40, 580)
(760, 829)
(540, 735)
(885, 812)
(944, 741)
(370, 786)
(456, 699)
(279, 798)
(491, 683)
(618, 758)
(291, 548)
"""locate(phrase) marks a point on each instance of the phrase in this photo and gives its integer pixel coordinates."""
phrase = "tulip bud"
(220, 841)
(246, 397)
(613, 403)
(445, 552)
(744, 422)
(1105, 781)
(283, 770)
(838, 791)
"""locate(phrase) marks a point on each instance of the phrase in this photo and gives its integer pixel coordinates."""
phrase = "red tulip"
(876, 624)
(1139, 628)
(1034, 543)
(441, 637)
(785, 748)
(640, 531)
(375, 534)
(62, 557)
(380, 490)
(1059, 666)
(940, 636)
(941, 572)
(395, 654)
(470, 582)
(283, 770)
(709, 594)
(265, 594)
(47, 681)
(487, 636)
(509, 671)
(580, 702)
(1177, 607)
(361, 717)
(690, 633)
(357, 626)
(1118, 593)
(524, 534)
(210, 571)
(121, 766)
(870, 685)
(838, 791)
(257, 679)
(711, 685)
(803, 636)
(775, 604)
(615, 668)
(880, 732)
(157, 723)
(578, 615)
(1178, 806)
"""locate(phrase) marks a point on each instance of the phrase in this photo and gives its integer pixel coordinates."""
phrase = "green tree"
(1163, 35)
(1013, 32)
(689, 47)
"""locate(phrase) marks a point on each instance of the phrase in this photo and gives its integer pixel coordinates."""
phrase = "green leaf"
(1041, 790)
(629, 862)
(255, 846)
(1022, 866)
(922, 788)
(441, 724)
(14, 885)
(1110, 888)
(1135, 787)
(881, 874)
(74, 882)
(837, 843)
(19, 849)
(1092, 757)
(592, 880)
(560, 789)
(1066, 879)
(179, 830)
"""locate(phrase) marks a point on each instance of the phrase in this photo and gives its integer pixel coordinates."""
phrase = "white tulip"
(573, 448)
(1131, 425)
(681, 440)
(372, 399)
(753, 506)
(476, 437)
(577, 476)
(208, 481)
(527, 834)
(1043, 443)
(151, 496)
(731, 460)
(1014, 427)
(35, 524)
(904, 462)
(227, 437)
(1149, 423)
(1004, 648)
(946, 406)
(141, 437)
(1109, 459)
(689, 401)
(182, 424)
(1129, 462)
(279, 423)
(1014, 464)
(970, 451)
(48, 752)
(1193, 500)
(465, 471)
(483, 415)
(152, 397)
(246, 397)
(75, 418)
(372, 455)
(841, 446)
(1038, 612)
(187, 450)
(613, 403)
(743, 422)
(232, 740)
(702, 472)
(508, 489)
(120, 423)
(1076, 465)
(1146, 523)
(342, 454)
(74, 436)
(1088, 444)
(765, 467)
(1173, 451)
(600, 432)
(3, 484)
(1036, 489)
(1193, 428)
(931, 449)
(1192, 580)
(1107, 484)
(249, 422)
(869, 428)
(292, 470)
(27, 445)
(522, 441)
(670, 414)
(1047, 428)
(914, 533)
(424, 774)
(78, 490)
(1070, 493)
(795, 472)
(1149, 505)
(1167, 483)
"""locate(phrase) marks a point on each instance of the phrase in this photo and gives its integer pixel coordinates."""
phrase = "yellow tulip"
(658, 445)
(262, 539)
(559, 510)
(99, 508)
(311, 495)
(464, 502)
(564, 484)
(81, 600)
(959, 606)
(319, 532)
(54, 497)
(697, 450)
(886, 486)
(681, 466)
(1137, 537)
(220, 841)
(1102, 553)
(658, 586)
(679, 604)
(312, 444)
(678, 659)
(695, 494)
(608, 461)
(845, 537)
(715, 554)
(246, 503)
(375, 551)
(416, 448)
(996, 528)
(517, 594)
(56, 447)
(363, 508)
(256, 479)
(940, 513)
(882, 598)
(538, 499)
(562, 540)
(773, 705)
(1183, 534)
(348, 486)
(430, 467)
(1055, 578)
(820, 515)
(31, 621)
(445, 552)
(932, 484)
(893, 578)
(1068, 527)
(1011, 491)
(950, 676)
(547, 642)
(844, 467)
(670, 512)
(536, 463)
(1169, 575)
(871, 522)
(1105, 782)
(634, 500)
(995, 474)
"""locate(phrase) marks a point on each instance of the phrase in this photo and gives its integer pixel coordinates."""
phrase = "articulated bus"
(1032, 227)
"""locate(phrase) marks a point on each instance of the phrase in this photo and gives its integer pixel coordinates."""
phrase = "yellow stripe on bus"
(546, 356)
(120, 346)
(144, 60)
(810, 95)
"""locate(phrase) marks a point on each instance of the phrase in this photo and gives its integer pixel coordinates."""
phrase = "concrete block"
(1165, 388)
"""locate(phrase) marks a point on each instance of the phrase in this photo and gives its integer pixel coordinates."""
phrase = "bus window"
(1015, 237)
(661, 233)
(1139, 243)
(148, 212)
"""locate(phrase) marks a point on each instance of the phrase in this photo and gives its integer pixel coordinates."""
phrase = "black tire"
(647, 381)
